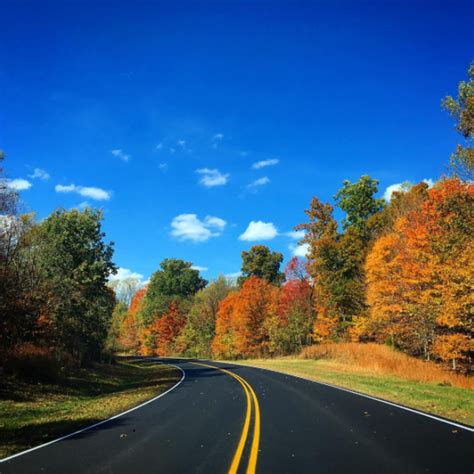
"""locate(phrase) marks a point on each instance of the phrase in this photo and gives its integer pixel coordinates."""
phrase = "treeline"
(400, 274)
(55, 303)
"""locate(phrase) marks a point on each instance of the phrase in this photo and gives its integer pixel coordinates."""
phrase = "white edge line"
(381, 400)
(103, 421)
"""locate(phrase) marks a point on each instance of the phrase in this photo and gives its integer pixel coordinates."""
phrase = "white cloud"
(85, 191)
(299, 250)
(259, 182)
(190, 227)
(159, 146)
(38, 173)
(211, 178)
(126, 274)
(258, 230)
(118, 152)
(163, 166)
(199, 268)
(262, 164)
(18, 184)
(296, 234)
(402, 188)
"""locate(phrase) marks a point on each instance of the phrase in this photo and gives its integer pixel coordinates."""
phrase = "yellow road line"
(252, 464)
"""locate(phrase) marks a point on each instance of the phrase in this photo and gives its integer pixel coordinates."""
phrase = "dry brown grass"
(380, 359)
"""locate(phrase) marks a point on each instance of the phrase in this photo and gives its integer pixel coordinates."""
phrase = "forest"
(397, 272)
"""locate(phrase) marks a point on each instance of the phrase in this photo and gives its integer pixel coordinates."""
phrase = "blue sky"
(186, 121)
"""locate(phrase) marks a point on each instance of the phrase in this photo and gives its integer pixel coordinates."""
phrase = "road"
(225, 418)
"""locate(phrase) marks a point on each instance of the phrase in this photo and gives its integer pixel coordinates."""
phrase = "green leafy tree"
(462, 110)
(261, 262)
(75, 262)
(176, 282)
(358, 202)
(200, 329)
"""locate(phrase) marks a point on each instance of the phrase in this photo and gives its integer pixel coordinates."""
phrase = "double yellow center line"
(251, 397)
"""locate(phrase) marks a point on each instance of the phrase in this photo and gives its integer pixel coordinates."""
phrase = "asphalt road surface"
(224, 418)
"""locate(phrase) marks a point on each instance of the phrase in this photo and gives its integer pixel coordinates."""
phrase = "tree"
(240, 328)
(176, 282)
(462, 110)
(420, 276)
(290, 327)
(22, 291)
(200, 329)
(261, 262)
(129, 337)
(76, 263)
(358, 202)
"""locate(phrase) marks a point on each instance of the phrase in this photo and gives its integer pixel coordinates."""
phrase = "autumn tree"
(462, 110)
(129, 334)
(261, 262)
(240, 328)
(420, 275)
(200, 329)
(290, 327)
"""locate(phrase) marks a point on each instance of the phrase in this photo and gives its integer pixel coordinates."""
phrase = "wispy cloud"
(118, 152)
(159, 146)
(190, 227)
(258, 230)
(199, 268)
(38, 173)
(163, 166)
(258, 182)
(264, 163)
(85, 191)
(18, 184)
(216, 139)
(212, 177)
(295, 234)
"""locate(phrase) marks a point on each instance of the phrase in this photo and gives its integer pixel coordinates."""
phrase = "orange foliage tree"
(129, 336)
(240, 328)
(420, 277)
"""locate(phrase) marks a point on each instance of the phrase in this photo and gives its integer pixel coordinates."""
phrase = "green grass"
(446, 401)
(34, 413)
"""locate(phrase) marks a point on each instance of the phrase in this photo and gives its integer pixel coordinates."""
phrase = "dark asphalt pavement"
(305, 428)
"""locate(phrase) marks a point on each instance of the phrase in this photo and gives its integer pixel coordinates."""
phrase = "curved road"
(224, 418)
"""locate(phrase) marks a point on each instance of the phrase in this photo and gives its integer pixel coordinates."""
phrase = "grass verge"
(34, 413)
(440, 399)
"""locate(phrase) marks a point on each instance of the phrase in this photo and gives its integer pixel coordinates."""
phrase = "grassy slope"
(31, 414)
(450, 402)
